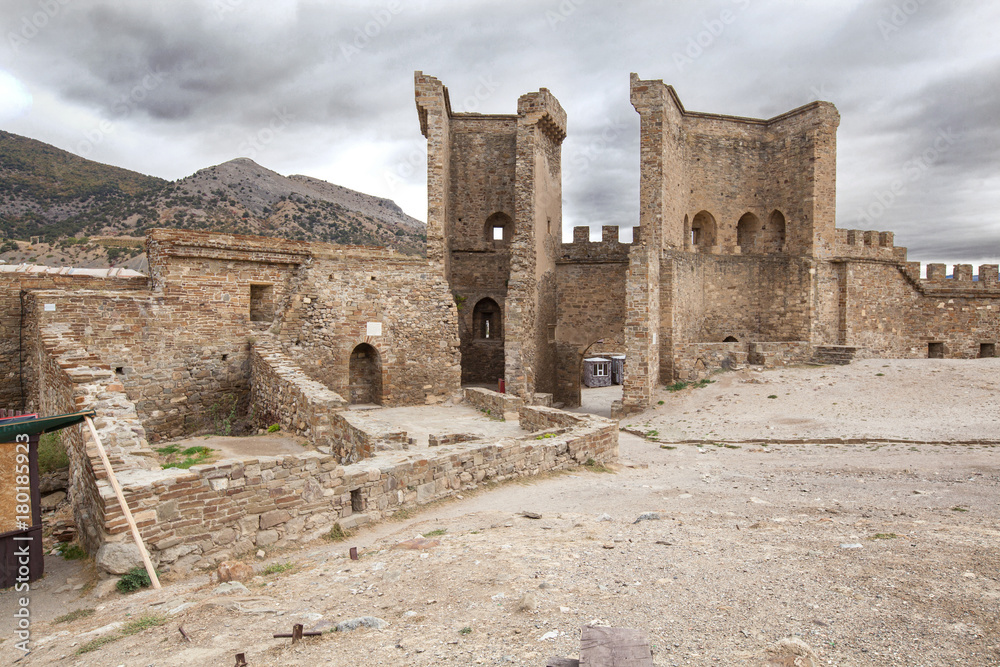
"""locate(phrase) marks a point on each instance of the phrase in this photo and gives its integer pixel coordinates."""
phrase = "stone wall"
(196, 518)
(493, 403)
(590, 305)
(280, 393)
(15, 280)
(182, 365)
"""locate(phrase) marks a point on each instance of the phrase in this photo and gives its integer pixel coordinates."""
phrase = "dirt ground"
(881, 549)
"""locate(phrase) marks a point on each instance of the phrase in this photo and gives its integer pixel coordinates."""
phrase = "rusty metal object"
(297, 633)
(241, 660)
(354, 553)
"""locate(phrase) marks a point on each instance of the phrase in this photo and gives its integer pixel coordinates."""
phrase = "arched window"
(730, 339)
(365, 375)
(776, 231)
(499, 228)
(747, 230)
(703, 230)
(487, 323)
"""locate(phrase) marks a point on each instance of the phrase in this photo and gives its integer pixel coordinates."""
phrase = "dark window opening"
(935, 350)
(225, 357)
(486, 320)
(120, 370)
(730, 339)
(987, 350)
(357, 501)
(261, 303)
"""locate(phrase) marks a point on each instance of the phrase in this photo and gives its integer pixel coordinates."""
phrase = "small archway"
(365, 375)
(773, 236)
(703, 230)
(730, 339)
(487, 322)
(747, 230)
(482, 347)
(499, 228)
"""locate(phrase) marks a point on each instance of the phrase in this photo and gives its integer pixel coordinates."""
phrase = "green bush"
(133, 580)
(51, 453)
(274, 428)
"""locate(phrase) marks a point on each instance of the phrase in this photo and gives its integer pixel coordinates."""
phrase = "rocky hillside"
(63, 207)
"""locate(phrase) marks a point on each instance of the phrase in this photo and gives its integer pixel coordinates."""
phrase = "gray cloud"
(187, 84)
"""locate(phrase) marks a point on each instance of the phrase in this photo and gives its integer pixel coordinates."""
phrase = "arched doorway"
(365, 375)
(482, 351)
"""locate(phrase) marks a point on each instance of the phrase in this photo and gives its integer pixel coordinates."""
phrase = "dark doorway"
(987, 350)
(365, 375)
(935, 350)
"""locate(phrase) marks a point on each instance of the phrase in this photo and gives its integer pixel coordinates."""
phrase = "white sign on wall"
(50, 307)
(374, 328)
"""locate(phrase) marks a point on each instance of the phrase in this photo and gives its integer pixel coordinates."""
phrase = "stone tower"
(494, 225)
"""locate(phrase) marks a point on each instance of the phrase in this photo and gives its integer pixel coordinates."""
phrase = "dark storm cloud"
(329, 85)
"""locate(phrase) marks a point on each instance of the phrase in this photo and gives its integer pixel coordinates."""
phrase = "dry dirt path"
(872, 554)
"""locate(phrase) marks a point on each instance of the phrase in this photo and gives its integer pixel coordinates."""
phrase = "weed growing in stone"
(337, 534)
(51, 453)
(436, 533)
(274, 428)
(184, 459)
(143, 623)
(71, 551)
(277, 568)
(133, 580)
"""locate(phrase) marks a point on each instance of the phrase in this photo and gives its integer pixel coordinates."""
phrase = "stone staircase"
(840, 355)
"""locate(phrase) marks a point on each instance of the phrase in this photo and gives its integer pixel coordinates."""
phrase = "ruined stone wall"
(530, 317)
(180, 364)
(434, 112)
(891, 312)
(196, 518)
(397, 305)
(590, 302)
(14, 281)
(731, 166)
(748, 298)
(71, 379)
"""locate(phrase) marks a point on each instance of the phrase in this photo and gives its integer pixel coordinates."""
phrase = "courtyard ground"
(843, 512)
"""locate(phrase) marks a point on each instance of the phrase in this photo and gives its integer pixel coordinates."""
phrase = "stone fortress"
(736, 259)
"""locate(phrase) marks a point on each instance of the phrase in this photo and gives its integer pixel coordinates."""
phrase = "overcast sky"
(326, 89)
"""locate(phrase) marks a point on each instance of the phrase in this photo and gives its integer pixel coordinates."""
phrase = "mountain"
(65, 200)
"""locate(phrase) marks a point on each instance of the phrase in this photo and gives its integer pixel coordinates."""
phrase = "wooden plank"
(121, 501)
(614, 647)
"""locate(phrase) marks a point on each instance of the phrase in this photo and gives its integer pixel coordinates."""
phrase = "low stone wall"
(196, 518)
(693, 361)
(493, 403)
(772, 354)
(280, 393)
(72, 380)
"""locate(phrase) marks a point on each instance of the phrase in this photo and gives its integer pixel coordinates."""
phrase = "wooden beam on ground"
(121, 501)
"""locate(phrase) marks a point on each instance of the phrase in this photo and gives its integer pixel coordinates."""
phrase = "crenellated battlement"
(868, 244)
(582, 249)
(961, 278)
